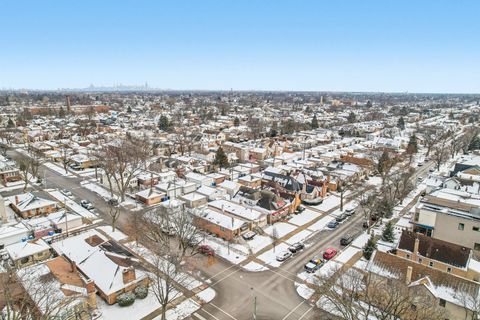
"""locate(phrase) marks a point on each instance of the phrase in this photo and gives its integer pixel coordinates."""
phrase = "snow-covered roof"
(227, 222)
(24, 249)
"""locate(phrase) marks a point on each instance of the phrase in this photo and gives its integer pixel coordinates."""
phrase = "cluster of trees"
(354, 295)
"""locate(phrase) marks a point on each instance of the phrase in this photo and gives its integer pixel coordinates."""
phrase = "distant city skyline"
(372, 46)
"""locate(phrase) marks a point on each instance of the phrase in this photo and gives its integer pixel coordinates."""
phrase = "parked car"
(332, 224)
(341, 217)
(249, 235)
(206, 249)
(113, 202)
(313, 265)
(284, 255)
(86, 204)
(294, 248)
(66, 192)
(365, 225)
(346, 239)
(300, 209)
(350, 210)
(329, 253)
(432, 170)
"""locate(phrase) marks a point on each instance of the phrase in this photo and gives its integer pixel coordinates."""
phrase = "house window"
(449, 270)
(430, 263)
(475, 228)
(222, 228)
(442, 303)
(408, 256)
(461, 226)
(420, 260)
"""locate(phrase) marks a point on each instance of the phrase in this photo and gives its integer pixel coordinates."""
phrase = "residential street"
(274, 290)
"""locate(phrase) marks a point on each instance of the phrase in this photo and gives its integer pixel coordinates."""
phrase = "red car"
(207, 250)
(329, 253)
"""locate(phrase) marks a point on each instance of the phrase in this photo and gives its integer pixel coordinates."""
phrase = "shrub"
(126, 299)
(141, 292)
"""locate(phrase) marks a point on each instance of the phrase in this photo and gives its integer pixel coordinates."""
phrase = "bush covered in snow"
(126, 299)
(141, 292)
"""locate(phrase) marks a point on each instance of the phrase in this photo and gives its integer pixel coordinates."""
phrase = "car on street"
(420, 164)
(66, 192)
(332, 224)
(299, 210)
(249, 235)
(313, 265)
(431, 170)
(294, 248)
(341, 217)
(284, 255)
(350, 210)
(206, 250)
(346, 239)
(86, 204)
(329, 253)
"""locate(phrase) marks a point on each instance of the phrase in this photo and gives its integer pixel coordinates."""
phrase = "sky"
(374, 46)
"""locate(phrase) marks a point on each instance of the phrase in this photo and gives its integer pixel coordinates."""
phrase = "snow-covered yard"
(328, 203)
(281, 228)
(304, 217)
(58, 169)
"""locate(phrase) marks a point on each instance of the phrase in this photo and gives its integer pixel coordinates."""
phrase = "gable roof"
(436, 249)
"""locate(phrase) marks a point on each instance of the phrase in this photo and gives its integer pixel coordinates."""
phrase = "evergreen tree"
(221, 159)
(129, 109)
(369, 104)
(370, 247)
(351, 117)
(401, 123)
(388, 234)
(474, 144)
(163, 123)
(236, 122)
(314, 123)
(274, 130)
(61, 113)
(10, 123)
(383, 162)
(412, 146)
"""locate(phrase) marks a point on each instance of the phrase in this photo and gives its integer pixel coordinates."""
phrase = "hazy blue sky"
(416, 46)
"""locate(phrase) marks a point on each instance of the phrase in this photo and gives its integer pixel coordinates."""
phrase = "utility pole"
(254, 305)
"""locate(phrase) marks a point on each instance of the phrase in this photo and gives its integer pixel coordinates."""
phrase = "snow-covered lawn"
(220, 247)
(304, 291)
(281, 227)
(102, 192)
(328, 203)
(254, 267)
(269, 257)
(116, 235)
(347, 254)
(181, 311)
(139, 309)
(58, 169)
(206, 295)
(299, 237)
(304, 217)
(258, 243)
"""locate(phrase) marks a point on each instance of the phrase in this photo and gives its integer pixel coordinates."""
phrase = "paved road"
(274, 290)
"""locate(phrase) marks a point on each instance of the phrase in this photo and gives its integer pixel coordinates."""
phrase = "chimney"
(91, 294)
(128, 275)
(408, 276)
(73, 266)
(416, 245)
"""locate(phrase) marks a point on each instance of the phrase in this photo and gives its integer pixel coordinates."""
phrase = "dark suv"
(294, 248)
(346, 239)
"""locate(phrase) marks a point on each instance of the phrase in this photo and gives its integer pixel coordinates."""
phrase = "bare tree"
(440, 153)
(114, 214)
(28, 167)
(121, 160)
(275, 237)
(187, 232)
(354, 295)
